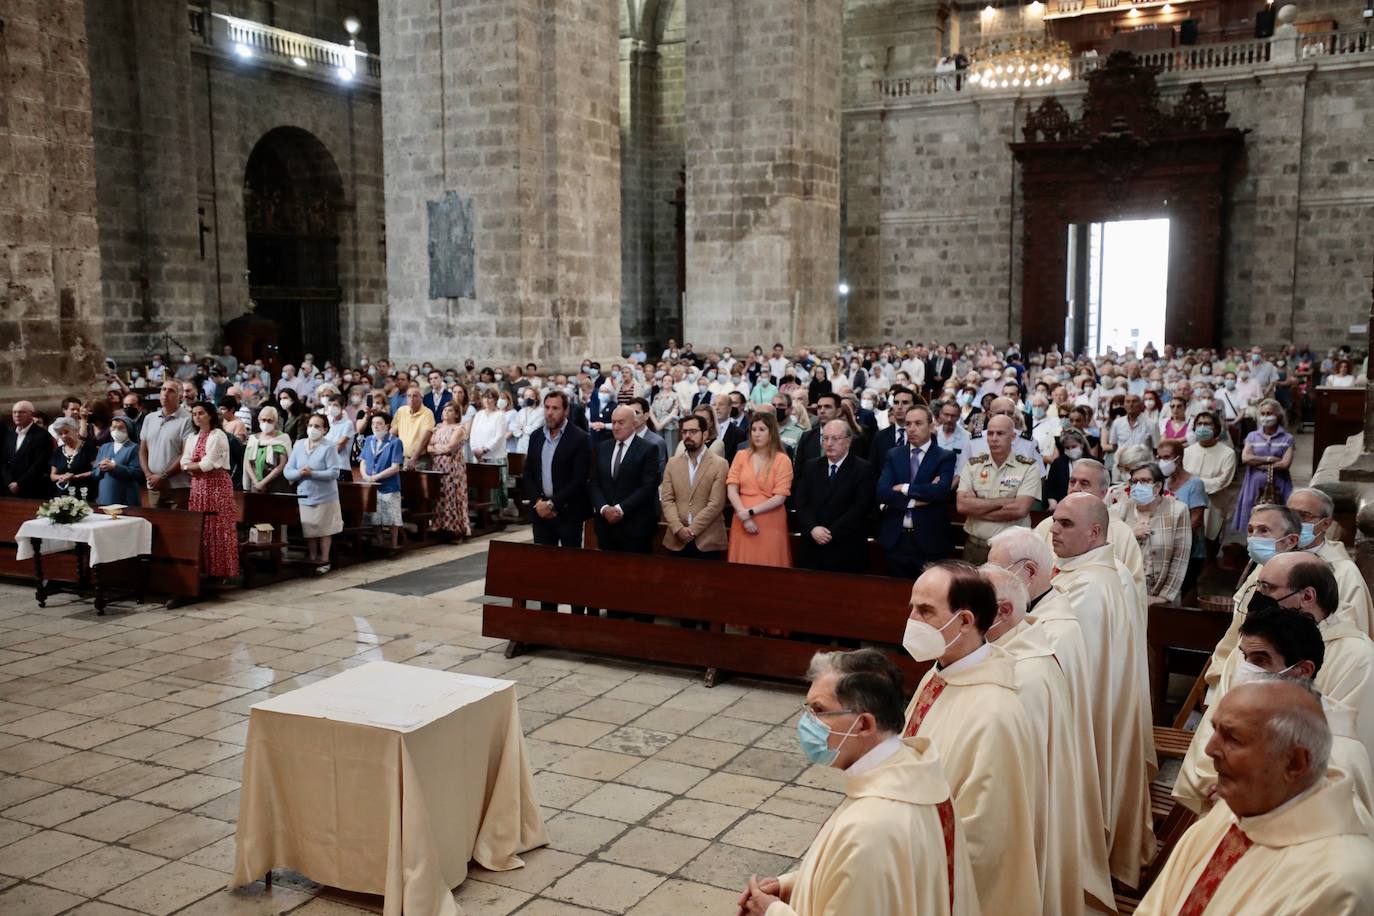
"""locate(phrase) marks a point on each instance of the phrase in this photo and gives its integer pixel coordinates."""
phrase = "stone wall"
(175, 123)
(50, 329)
(933, 215)
(515, 106)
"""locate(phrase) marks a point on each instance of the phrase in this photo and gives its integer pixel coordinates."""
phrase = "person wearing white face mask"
(315, 468)
(1268, 455)
(967, 706)
(116, 471)
(1162, 527)
(264, 457)
(342, 430)
(894, 843)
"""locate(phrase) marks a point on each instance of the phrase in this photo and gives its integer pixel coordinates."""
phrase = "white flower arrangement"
(64, 510)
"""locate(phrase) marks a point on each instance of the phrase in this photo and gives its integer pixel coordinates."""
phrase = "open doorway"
(1118, 284)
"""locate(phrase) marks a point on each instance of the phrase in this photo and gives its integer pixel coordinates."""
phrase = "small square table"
(97, 539)
(387, 779)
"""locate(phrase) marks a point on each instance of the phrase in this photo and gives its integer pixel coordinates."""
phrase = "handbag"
(1268, 493)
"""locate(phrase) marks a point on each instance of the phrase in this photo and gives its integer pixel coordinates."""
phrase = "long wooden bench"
(484, 481)
(736, 601)
(173, 570)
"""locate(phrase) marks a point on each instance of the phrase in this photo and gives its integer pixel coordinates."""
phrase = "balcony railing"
(250, 40)
(1187, 59)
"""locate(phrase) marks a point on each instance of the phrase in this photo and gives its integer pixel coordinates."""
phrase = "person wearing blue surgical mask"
(1272, 530)
(1314, 510)
(884, 848)
(1163, 528)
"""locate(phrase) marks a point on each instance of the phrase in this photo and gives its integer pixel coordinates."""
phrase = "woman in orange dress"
(759, 483)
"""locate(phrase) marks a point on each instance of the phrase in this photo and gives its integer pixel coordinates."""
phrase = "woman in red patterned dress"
(446, 451)
(206, 456)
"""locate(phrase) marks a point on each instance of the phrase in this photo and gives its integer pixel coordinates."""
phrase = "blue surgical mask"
(1308, 535)
(1142, 493)
(814, 736)
(1261, 550)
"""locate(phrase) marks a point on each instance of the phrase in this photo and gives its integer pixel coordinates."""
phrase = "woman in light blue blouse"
(382, 457)
(116, 469)
(315, 467)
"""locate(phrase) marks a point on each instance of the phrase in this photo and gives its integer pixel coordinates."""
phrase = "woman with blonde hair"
(265, 456)
(758, 485)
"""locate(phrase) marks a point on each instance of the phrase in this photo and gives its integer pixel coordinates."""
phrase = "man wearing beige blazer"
(692, 496)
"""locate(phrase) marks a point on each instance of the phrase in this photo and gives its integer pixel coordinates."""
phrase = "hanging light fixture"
(1025, 57)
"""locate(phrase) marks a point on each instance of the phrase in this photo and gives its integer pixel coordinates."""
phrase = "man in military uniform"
(996, 490)
(1021, 442)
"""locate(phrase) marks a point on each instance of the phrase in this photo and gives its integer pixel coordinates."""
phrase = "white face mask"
(924, 642)
(334, 410)
(1247, 672)
(119, 436)
(268, 427)
(315, 433)
(502, 404)
(1167, 467)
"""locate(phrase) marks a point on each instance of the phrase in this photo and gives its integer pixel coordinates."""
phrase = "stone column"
(511, 107)
(763, 93)
(50, 314)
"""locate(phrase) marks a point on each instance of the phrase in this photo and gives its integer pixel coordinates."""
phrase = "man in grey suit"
(642, 431)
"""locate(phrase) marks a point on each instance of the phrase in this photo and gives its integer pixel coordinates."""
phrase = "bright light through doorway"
(1130, 261)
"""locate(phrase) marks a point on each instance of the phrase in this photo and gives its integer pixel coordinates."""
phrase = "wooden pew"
(420, 501)
(760, 598)
(356, 500)
(515, 467)
(1190, 629)
(173, 570)
(281, 511)
(483, 481)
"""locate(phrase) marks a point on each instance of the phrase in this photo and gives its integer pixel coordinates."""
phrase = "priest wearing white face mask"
(1315, 510)
(894, 843)
(1277, 641)
(1114, 631)
(1070, 842)
(967, 706)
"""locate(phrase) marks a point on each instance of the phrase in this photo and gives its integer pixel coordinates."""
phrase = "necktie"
(929, 694)
(901, 438)
(909, 521)
(1228, 852)
(615, 460)
(833, 469)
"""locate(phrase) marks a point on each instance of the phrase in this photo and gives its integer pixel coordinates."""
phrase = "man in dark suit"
(643, 431)
(900, 401)
(438, 396)
(25, 450)
(728, 429)
(914, 490)
(555, 479)
(809, 445)
(834, 500)
(624, 487)
(939, 368)
(702, 394)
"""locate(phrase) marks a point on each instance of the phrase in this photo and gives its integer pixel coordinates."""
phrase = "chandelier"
(1027, 57)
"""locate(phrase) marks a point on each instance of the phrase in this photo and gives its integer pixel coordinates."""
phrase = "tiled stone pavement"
(121, 743)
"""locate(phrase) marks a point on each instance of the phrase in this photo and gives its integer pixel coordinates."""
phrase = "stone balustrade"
(248, 40)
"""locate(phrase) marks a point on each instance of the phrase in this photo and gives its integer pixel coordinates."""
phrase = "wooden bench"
(281, 511)
(515, 468)
(757, 598)
(173, 570)
(420, 502)
(1169, 627)
(356, 502)
(484, 480)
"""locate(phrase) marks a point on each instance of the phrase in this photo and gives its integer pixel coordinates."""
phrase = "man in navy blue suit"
(555, 478)
(914, 489)
(438, 396)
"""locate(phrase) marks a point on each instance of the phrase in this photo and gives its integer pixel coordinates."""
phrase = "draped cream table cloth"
(387, 779)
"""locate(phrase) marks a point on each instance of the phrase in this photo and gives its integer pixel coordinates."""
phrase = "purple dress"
(1260, 446)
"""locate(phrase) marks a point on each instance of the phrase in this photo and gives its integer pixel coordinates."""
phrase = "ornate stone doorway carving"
(1128, 157)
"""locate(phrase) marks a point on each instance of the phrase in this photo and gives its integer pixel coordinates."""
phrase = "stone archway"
(292, 194)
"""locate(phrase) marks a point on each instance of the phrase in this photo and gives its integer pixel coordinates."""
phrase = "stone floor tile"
(673, 721)
(586, 684)
(617, 712)
(736, 731)
(770, 833)
(93, 734)
(44, 723)
(542, 867)
(100, 908)
(167, 889)
(196, 754)
(179, 836)
(683, 898)
(622, 803)
(819, 777)
(228, 768)
(544, 754)
(559, 790)
(33, 900)
(779, 765)
(143, 744)
(188, 791)
(654, 850)
(581, 834)
(590, 763)
(26, 754)
(75, 767)
(760, 706)
(478, 898)
(97, 872)
(130, 779)
(803, 804)
(663, 776)
(58, 807)
(553, 701)
(153, 712)
(542, 906)
(696, 818)
(116, 821)
(224, 808)
(201, 723)
(649, 693)
(569, 730)
(16, 790)
(604, 885)
(734, 789)
(699, 752)
(39, 852)
(253, 900)
(729, 867)
(14, 830)
(631, 740)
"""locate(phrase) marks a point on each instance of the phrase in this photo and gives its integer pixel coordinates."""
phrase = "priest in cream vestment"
(894, 845)
(1066, 807)
(1315, 510)
(1287, 836)
(1285, 641)
(967, 705)
(1088, 475)
(1114, 630)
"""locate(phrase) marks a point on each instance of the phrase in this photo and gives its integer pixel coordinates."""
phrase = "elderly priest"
(1288, 836)
(894, 845)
